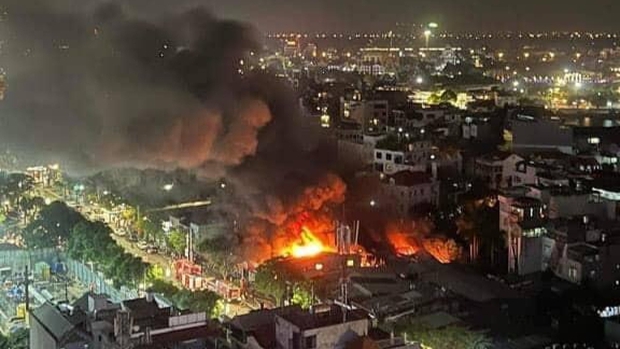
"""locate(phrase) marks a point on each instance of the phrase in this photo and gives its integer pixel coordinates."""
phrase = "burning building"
(409, 240)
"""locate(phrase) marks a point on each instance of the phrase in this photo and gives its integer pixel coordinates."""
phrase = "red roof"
(410, 178)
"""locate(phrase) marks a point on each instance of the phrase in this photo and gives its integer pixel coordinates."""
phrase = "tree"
(444, 338)
(448, 96)
(302, 295)
(176, 241)
(92, 242)
(196, 301)
(267, 283)
(52, 227)
(16, 340)
(155, 272)
(165, 288)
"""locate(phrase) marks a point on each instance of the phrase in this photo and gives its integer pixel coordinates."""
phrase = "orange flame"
(308, 245)
(402, 244)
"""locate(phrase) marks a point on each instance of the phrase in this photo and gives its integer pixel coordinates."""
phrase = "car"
(121, 232)
(152, 249)
(143, 245)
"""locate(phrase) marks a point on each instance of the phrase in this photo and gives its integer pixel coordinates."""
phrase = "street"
(232, 308)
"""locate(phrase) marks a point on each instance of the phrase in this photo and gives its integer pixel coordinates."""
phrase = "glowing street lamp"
(433, 25)
(427, 35)
(168, 187)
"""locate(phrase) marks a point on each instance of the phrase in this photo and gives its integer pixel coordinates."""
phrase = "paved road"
(166, 263)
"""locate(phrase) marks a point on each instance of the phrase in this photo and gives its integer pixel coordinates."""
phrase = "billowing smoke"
(108, 90)
(103, 90)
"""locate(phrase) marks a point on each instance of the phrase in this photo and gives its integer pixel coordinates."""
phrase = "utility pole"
(27, 283)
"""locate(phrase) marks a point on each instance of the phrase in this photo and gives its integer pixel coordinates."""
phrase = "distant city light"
(433, 25)
(419, 80)
(168, 187)
(373, 203)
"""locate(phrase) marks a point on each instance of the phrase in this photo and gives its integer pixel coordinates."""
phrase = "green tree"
(155, 272)
(268, 283)
(434, 98)
(448, 96)
(302, 295)
(164, 288)
(16, 340)
(176, 241)
(52, 227)
(444, 338)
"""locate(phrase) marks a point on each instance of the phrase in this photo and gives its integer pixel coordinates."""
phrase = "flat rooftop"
(333, 315)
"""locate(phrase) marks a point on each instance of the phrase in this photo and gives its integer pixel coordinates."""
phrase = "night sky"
(332, 15)
(317, 15)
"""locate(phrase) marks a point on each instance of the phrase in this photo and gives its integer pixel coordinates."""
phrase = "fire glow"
(402, 244)
(308, 245)
(407, 242)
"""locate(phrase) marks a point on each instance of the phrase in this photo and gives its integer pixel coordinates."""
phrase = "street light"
(373, 203)
(168, 187)
(419, 80)
(427, 35)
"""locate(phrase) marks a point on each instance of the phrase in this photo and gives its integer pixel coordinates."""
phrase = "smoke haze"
(106, 90)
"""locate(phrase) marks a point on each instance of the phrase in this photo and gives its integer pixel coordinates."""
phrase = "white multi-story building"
(497, 169)
(406, 189)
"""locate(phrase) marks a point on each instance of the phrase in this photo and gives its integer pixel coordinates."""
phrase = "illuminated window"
(594, 140)
(350, 263)
(318, 266)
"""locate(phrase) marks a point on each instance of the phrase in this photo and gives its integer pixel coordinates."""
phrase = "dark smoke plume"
(106, 90)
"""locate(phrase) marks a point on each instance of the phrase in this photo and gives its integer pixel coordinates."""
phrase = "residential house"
(406, 189)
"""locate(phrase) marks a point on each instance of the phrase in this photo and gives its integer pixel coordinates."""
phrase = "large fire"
(308, 245)
(402, 244)
(307, 235)
(409, 240)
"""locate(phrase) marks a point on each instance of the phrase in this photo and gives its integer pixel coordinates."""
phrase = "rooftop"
(583, 249)
(58, 323)
(410, 178)
(495, 156)
(438, 319)
(330, 316)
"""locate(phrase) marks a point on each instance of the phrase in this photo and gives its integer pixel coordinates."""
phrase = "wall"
(330, 337)
(402, 198)
(88, 276)
(531, 255)
(18, 259)
(337, 336)
(541, 134)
